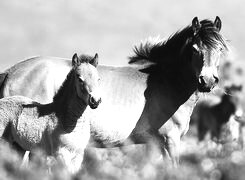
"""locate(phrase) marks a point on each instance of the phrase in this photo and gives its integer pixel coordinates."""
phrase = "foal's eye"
(80, 80)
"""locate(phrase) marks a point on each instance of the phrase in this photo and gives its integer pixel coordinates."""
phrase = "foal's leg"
(23, 153)
(71, 159)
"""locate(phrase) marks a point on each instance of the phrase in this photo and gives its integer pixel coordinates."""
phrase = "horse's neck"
(164, 97)
(69, 110)
(177, 86)
(191, 102)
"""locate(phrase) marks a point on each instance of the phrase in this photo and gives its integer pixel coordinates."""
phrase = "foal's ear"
(75, 60)
(217, 23)
(94, 61)
(196, 25)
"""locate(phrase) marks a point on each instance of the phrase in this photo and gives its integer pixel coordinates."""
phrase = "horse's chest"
(78, 139)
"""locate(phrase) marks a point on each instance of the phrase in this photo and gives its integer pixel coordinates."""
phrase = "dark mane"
(85, 58)
(154, 53)
(64, 86)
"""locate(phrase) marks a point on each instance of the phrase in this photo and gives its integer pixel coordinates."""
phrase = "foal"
(54, 127)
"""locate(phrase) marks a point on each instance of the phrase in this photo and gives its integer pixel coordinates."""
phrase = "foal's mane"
(67, 82)
(154, 52)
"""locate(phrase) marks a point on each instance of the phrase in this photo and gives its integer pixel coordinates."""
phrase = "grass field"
(111, 28)
(198, 161)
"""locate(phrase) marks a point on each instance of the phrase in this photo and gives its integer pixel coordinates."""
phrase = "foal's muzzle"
(93, 103)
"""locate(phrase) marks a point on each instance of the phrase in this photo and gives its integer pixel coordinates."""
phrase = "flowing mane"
(154, 52)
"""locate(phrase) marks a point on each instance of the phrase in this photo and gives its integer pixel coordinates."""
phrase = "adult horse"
(54, 127)
(137, 100)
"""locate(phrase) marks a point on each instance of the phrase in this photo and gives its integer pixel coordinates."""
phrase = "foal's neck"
(69, 110)
(67, 105)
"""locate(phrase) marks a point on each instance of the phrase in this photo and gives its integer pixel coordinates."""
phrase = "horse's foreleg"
(155, 143)
(173, 145)
(155, 148)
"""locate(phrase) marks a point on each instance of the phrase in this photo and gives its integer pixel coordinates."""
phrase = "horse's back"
(119, 84)
(36, 78)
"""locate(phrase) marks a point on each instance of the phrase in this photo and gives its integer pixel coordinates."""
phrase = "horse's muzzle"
(93, 104)
(206, 85)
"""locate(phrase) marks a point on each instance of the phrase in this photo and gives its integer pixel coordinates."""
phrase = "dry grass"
(198, 161)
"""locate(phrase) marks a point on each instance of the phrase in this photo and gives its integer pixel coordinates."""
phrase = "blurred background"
(109, 27)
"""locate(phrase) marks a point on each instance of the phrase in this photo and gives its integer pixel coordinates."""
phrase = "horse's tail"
(144, 53)
(3, 77)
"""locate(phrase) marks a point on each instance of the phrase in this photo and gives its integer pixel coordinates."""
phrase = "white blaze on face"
(211, 57)
(209, 72)
(239, 112)
(89, 75)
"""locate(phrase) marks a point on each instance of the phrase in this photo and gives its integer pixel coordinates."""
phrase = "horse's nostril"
(216, 79)
(99, 101)
(92, 100)
(201, 80)
(93, 103)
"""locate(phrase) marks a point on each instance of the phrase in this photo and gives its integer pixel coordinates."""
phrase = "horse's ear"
(75, 60)
(217, 23)
(94, 61)
(196, 25)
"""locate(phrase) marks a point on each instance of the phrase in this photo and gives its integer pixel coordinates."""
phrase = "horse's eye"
(195, 49)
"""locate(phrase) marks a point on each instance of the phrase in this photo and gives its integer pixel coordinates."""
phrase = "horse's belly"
(27, 136)
(111, 124)
(122, 104)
